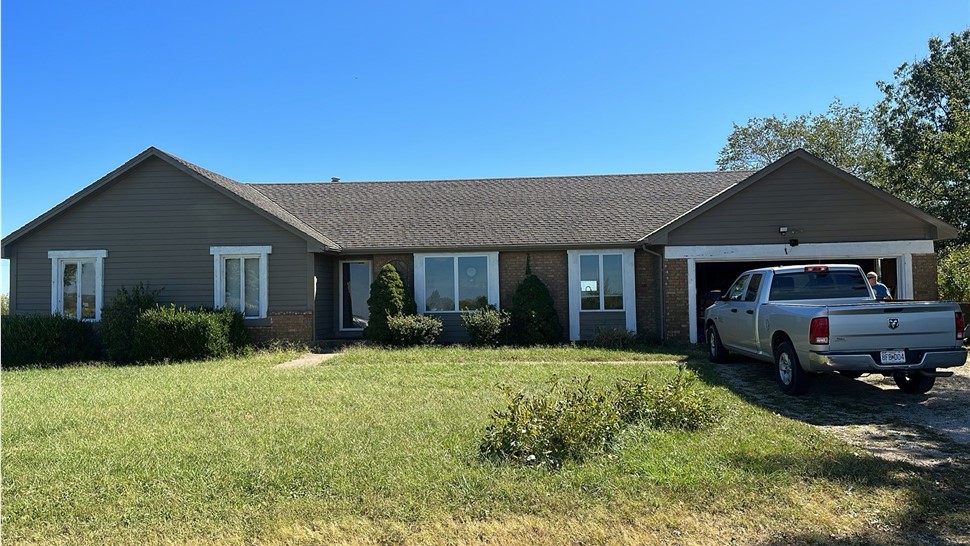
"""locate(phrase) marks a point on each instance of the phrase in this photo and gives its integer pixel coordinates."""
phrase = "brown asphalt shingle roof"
(561, 211)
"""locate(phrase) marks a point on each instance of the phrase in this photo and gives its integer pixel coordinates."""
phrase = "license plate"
(892, 357)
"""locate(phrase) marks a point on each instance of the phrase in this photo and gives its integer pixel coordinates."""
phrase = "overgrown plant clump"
(177, 333)
(46, 340)
(118, 320)
(486, 327)
(412, 330)
(534, 320)
(571, 423)
(567, 422)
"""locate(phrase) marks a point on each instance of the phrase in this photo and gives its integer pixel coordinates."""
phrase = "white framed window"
(601, 281)
(241, 279)
(355, 280)
(77, 283)
(455, 282)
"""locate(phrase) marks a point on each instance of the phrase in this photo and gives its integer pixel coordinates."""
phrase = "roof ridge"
(503, 178)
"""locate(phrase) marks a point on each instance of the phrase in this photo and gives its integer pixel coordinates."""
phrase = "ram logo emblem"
(893, 323)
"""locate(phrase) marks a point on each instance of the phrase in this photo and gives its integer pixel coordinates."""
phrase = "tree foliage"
(845, 136)
(924, 121)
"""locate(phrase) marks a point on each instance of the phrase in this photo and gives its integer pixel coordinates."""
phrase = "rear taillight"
(958, 316)
(818, 332)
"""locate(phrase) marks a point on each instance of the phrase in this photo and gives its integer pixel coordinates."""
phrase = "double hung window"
(241, 281)
(77, 283)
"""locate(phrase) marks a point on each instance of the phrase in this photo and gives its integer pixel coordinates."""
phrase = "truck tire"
(791, 377)
(715, 349)
(914, 382)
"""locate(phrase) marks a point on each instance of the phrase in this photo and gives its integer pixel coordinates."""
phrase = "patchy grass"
(377, 447)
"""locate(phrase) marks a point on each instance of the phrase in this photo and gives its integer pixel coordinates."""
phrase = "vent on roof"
(335, 179)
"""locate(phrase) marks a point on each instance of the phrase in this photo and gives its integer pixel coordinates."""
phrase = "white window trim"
(419, 279)
(629, 287)
(340, 292)
(902, 251)
(57, 256)
(220, 253)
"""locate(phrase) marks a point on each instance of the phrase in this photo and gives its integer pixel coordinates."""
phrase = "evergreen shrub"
(177, 333)
(46, 341)
(486, 327)
(387, 299)
(533, 319)
(118, 320)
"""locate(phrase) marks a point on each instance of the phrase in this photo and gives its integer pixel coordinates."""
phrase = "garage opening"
(713, 278)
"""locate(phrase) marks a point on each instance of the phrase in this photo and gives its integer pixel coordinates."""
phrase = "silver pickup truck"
(825, 318)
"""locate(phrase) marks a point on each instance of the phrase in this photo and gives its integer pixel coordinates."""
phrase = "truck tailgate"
(902, 325)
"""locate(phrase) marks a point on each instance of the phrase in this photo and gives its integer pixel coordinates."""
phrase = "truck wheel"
(791, 377)
(715, 349)
(914, 382)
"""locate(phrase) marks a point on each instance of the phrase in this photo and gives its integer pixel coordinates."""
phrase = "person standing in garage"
(882, 291)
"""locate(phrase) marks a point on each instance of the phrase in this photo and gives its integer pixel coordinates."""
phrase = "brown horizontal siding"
(157, 224)
(817, 206)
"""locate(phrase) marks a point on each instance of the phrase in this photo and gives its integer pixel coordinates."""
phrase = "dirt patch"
(926, 430)
(306, 360)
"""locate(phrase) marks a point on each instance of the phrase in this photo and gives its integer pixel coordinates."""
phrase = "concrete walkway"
(306, 360)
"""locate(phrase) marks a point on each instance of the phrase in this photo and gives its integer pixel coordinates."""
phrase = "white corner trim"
(58, 256)
(692, 299)
(572, 277)
(420, 292)
(219, 253)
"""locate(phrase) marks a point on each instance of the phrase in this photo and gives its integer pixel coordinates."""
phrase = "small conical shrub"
(534, 320)
(387, 298)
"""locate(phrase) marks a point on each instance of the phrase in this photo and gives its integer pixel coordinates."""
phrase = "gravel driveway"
(871, 412)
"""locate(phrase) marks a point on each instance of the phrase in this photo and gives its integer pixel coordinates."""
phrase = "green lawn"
(380, 447)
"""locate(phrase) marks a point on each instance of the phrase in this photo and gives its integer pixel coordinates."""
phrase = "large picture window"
(77, 283)
(456, 282)
(241, 280)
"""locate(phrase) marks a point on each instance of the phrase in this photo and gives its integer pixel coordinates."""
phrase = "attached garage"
(799, 210)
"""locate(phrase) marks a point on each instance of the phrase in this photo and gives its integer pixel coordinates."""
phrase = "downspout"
(660, 280)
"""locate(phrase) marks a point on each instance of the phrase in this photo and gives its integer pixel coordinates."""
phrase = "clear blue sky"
(301, 91)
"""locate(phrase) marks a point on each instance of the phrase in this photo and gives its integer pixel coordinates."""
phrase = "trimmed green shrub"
(566, 423)
(486, 327)
(411, 330)
(46, 340)
(533, 319)
(176, 333)
(118, 320)
(608, 337)
(387, 299)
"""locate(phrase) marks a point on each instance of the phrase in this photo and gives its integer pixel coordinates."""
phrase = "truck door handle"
(750, 311)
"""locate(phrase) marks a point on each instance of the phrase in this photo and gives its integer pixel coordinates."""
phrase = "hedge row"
(157, 334)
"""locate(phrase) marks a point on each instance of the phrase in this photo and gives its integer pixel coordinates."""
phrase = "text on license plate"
(892, 357)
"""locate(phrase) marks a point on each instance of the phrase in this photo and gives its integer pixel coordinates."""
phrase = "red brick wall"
(292, 326)
(924, 277)
(648, 293)
(380, 260)
(676, 317)
(549, 266)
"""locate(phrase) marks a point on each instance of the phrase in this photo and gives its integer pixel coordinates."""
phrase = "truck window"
(808, 285)
(737, 289)
(751, 294)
